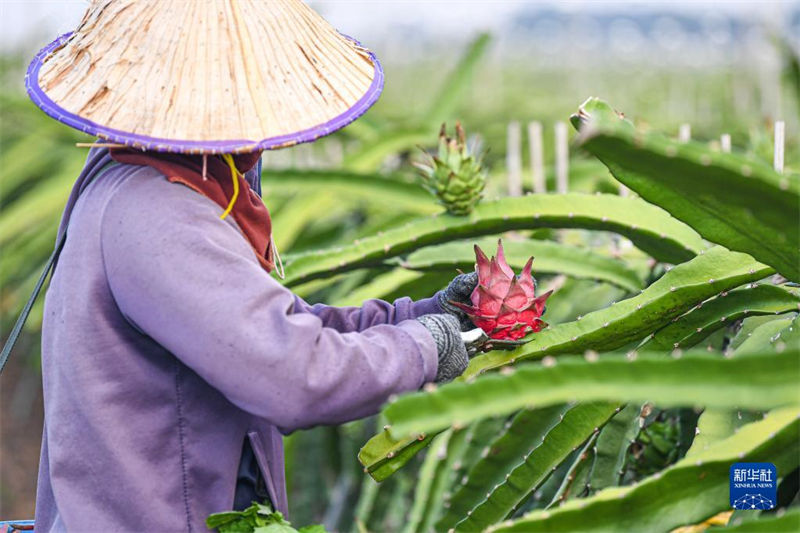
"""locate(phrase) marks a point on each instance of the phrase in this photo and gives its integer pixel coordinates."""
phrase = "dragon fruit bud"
(455, 175)
(504, 305)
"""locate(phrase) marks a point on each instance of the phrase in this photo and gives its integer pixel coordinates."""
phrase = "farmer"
(172, 361)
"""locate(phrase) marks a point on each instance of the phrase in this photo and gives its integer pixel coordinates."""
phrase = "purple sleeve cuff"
(426, 345)
(428, 306)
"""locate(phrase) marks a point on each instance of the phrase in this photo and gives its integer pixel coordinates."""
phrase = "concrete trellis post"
(780, 141)
(536, 148)
(685, 133)
(562, 158)
(514, 159)
(334, 152)
(725, 143)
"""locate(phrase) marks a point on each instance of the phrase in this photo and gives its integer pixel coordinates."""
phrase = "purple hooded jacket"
(165, 345)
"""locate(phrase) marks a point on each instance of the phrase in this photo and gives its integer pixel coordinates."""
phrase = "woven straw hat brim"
(310, 80)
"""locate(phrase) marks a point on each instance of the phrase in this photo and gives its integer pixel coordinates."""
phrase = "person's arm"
(192, 283)
(371, 312)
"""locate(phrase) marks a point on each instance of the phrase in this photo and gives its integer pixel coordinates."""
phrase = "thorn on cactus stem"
(506, 371)
(386, 427)
(390, 455)
(429, 387)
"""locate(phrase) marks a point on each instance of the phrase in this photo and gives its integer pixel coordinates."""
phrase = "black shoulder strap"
(23, 316)
(48, 267)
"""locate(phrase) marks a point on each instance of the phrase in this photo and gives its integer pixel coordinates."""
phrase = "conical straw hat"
(204, 76)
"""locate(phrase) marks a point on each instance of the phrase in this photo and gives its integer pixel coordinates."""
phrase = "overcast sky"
(29, 24)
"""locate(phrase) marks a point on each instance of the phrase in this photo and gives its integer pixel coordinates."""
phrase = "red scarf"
(249, 211)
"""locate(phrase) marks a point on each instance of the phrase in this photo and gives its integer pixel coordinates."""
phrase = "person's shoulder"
(145, 208)
(143, 195)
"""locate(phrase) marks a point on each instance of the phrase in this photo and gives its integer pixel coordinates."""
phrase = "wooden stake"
(562, 158)
(514, 159)
(334, 151)
(780, 141)
(725, 143)
(685, 133)
(536, 149)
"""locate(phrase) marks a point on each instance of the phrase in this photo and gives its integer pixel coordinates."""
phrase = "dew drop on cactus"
(454, 175)
(504, 305)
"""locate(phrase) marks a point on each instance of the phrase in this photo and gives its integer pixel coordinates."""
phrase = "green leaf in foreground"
(695, 378)
(258, 518)
(693, 327)
(561, 437)
(647, 226)
(779, 522)
(740, 203)
(524, 433)
(686, 493)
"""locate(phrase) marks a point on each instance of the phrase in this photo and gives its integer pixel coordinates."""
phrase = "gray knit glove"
(446, 332)
(459, 290)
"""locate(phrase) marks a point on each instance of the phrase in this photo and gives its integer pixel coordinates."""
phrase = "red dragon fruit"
(504, 305)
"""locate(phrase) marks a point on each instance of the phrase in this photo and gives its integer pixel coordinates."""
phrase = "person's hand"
(459, 290)
(446, 332)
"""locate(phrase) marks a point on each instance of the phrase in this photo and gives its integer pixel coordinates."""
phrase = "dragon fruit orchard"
(504, 305)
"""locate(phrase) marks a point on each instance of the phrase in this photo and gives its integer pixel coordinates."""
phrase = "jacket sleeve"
(371, 313)
(191, 282)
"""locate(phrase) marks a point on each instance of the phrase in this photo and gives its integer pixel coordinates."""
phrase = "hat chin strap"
(278, 263)
(235, 178)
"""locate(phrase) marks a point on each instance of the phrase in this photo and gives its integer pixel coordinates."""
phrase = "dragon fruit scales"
(504, 305)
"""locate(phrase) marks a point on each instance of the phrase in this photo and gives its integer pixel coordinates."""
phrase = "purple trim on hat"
(144, 142)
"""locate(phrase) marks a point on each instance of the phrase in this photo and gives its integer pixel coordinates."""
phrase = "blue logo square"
(754, 486)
